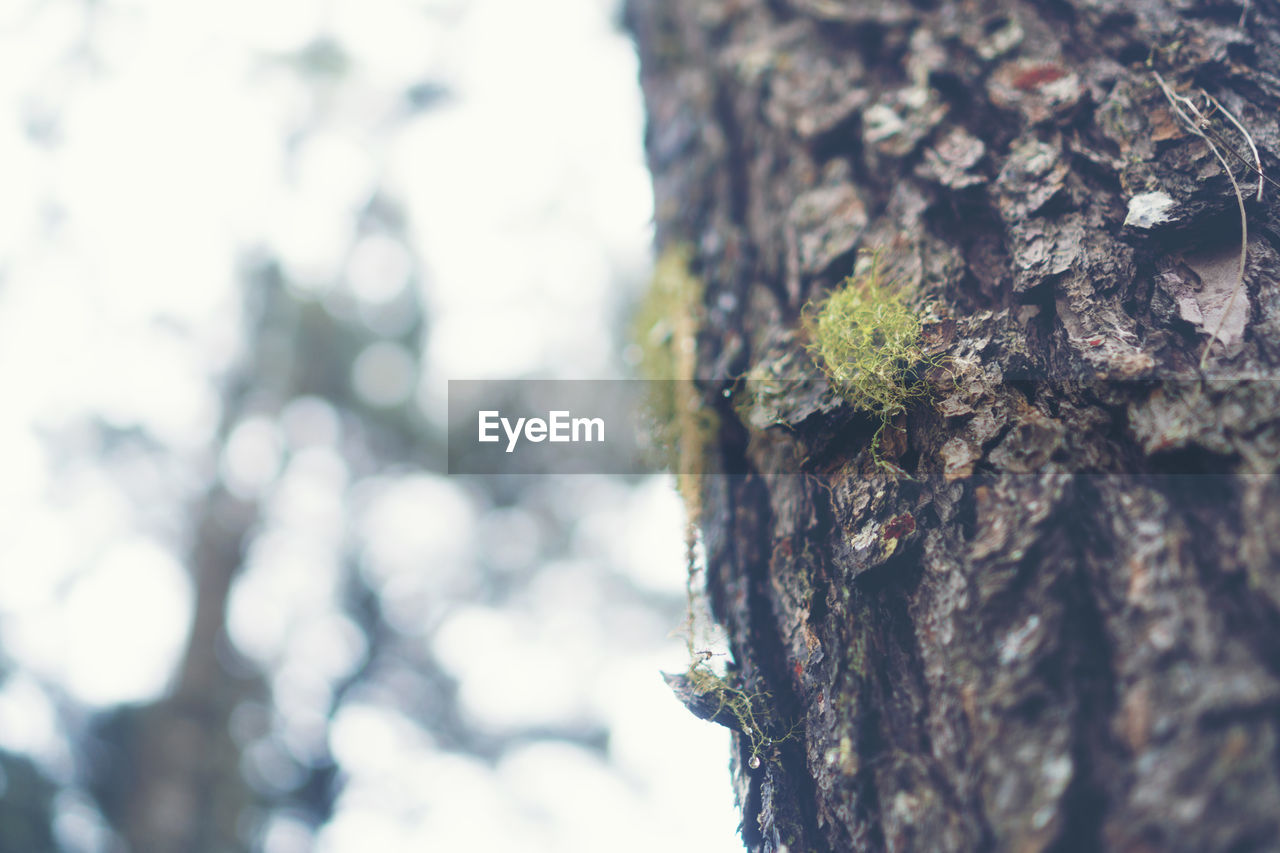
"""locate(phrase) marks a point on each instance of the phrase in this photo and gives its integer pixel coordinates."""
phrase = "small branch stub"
(705, 704)
(718, 699)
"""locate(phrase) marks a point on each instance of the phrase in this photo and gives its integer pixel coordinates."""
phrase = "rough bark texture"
(1060, 630)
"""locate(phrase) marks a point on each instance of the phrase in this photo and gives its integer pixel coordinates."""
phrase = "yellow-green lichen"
(681, 426)
(869, 343)
(749, 710)
(668, 318)
(666, 332)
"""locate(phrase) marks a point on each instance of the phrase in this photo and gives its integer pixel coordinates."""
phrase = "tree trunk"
(1041, 610)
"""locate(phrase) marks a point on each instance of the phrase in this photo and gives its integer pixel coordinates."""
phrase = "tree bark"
(1057, 626)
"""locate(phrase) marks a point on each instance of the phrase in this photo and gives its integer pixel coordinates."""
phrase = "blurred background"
(243, 247)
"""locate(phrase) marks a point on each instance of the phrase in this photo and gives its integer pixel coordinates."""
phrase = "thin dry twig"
(1243, 160)
(1197, 126)
(1248, 138)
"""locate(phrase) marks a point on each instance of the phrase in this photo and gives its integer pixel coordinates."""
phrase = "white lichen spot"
(1019, 640)
(1189, 809)
(1161, 636)
(1064, 90)
(880, 122)
(905, 807)
(1002, 40)
(1057, 773)
(865, 538)
(1147, 210)
(915, 97)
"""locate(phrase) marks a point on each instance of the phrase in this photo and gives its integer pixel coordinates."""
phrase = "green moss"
(858, 652)
(666, 333)
(869, 343)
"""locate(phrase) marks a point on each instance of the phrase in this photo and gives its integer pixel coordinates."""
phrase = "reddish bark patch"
(899, 526)
(1036, 76)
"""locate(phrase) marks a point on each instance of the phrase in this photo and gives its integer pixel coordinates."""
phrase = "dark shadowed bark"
(1057, 627)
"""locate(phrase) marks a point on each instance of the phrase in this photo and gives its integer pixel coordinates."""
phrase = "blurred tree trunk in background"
(1058, 627)
(171, 776)
(181, 787)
